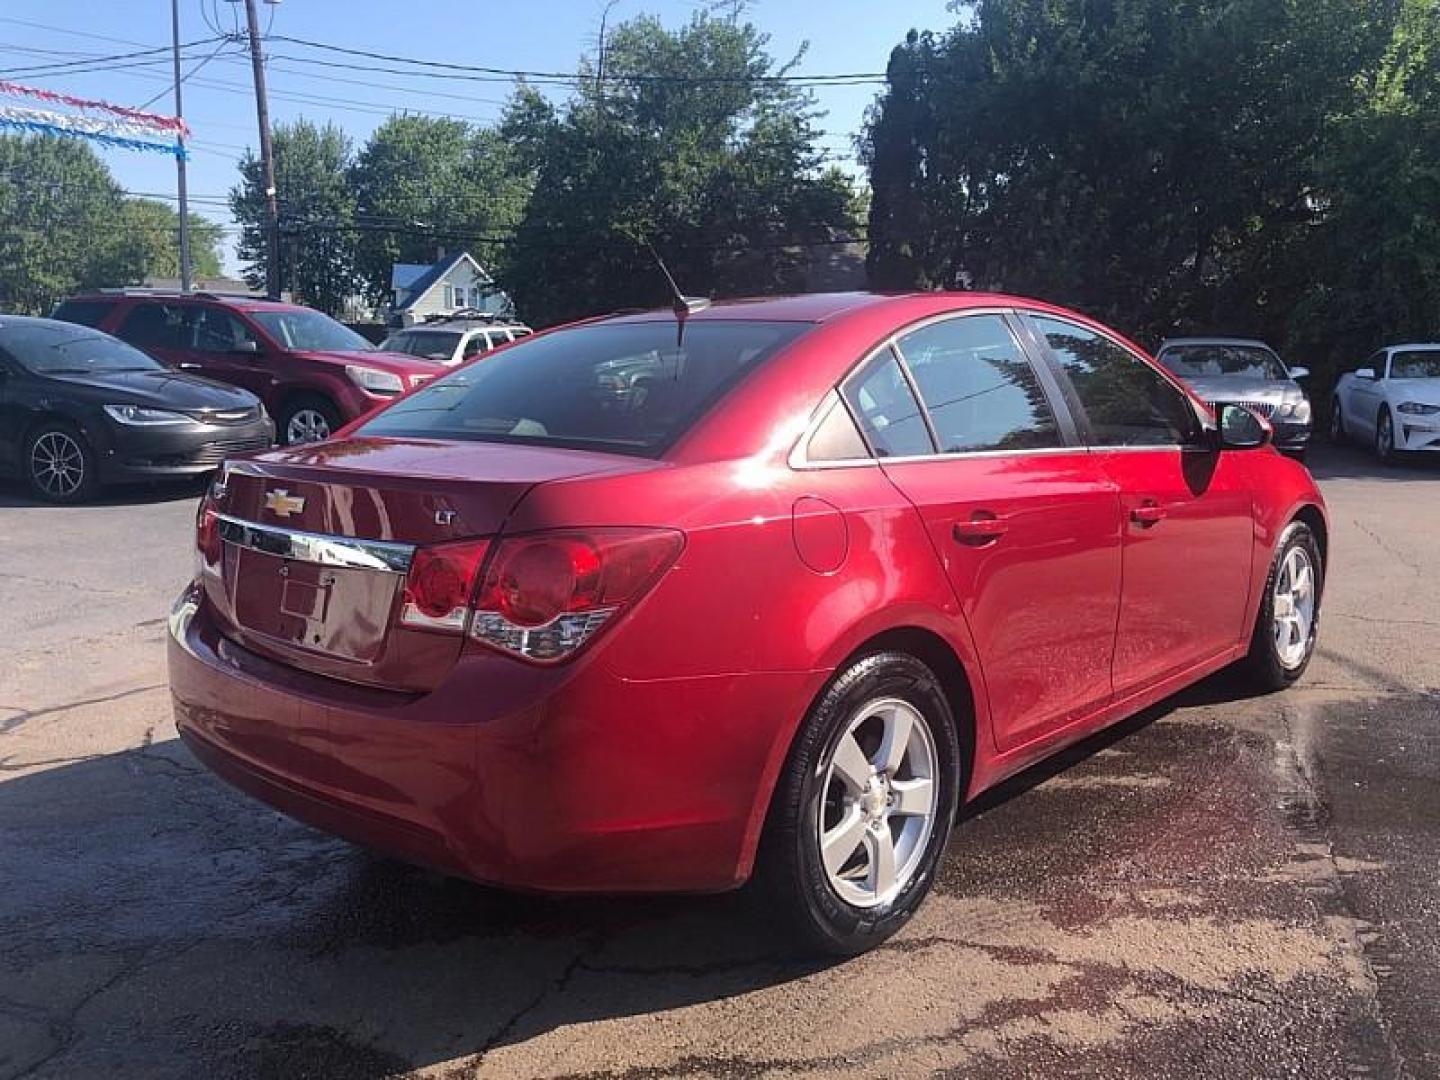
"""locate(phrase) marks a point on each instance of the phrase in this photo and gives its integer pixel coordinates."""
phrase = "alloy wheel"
(1385, 436)
(306, 425)
(1293, 608)
(57, 464)
(878, 802)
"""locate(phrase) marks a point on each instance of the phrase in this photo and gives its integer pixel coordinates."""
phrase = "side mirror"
(1365, 373)
(246, 345)
(1241, 429)
(1299, 372)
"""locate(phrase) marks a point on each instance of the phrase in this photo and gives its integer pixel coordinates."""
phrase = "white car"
(1391, 403)
(453, 342)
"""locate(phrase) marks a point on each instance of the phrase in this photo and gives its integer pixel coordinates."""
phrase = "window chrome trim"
(799, 458)
(383, 555)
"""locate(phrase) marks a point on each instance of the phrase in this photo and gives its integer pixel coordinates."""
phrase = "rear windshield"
(60, 348)
(624, 387)
(1208, 361)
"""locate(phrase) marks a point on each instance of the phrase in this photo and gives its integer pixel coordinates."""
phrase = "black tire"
(1337, 424)
(301, 407)
(1264, 664)
(790, 873)
(1385, 436)
(58, 445)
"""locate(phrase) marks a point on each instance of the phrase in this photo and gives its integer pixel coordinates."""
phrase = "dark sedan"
(79, 408)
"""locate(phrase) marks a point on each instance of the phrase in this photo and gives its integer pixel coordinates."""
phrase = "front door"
(224, 348)
(1187, 509)
(1367, 395)
(1025, 522)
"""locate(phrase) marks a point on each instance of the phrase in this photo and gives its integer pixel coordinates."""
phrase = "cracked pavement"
(1226, 886)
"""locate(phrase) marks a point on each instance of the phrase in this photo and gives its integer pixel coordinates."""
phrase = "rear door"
(1025, 522)
(1188, 521)
(161, 330)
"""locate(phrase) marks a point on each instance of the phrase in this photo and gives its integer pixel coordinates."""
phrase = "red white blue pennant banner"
(97, 121)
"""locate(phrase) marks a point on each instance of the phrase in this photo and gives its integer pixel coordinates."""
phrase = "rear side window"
(625, 387)
(979, 387)
(1127, 402)
(84, 312)
(154, 326)
(880, 397)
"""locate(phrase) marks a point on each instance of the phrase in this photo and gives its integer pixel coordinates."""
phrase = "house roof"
(432, 276)
(403, 275)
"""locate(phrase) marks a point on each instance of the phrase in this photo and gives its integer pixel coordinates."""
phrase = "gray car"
(1246, 372)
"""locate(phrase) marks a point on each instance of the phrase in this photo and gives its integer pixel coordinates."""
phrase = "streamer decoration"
(98, 121)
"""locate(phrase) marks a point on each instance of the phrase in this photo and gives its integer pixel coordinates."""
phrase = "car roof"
(820, 307)
(36, 320)
(240, 303)
(1168, 342)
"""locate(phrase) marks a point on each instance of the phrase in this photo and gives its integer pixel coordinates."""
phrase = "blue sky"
(844, 35)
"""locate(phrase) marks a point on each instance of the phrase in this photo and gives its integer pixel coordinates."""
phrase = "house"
(455, 283)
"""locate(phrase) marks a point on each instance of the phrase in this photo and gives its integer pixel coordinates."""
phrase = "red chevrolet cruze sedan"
(659, 603)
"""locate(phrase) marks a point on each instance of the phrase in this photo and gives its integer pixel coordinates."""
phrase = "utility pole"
(180, 155)
(267, 158)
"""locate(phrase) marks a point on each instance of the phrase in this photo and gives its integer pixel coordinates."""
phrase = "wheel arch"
(1311, 515)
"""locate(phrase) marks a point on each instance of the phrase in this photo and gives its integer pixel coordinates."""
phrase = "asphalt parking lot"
(1227, 886)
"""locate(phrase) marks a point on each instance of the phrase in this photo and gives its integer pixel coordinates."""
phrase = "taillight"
(440, 583)
(207, 535)
(547, 594)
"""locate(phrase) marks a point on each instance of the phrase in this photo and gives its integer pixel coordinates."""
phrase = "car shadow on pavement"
(14, 493)
(160, 923)
(1328, 462)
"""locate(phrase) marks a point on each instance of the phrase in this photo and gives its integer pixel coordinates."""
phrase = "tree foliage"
(720, 173)
(317, 214)
(1165, 165)
(66, 225)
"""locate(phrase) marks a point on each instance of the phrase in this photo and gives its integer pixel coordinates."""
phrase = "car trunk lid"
(317, 541)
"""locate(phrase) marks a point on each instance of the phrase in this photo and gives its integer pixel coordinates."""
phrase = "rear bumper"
(157, 454)
(535, 779)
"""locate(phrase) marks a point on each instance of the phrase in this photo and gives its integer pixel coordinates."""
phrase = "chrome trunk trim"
(383, 555)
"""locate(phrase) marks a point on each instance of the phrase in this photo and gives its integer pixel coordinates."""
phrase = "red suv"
(313, 374)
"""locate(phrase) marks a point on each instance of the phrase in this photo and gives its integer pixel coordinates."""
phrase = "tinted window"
(49, 348)
(979, 387)
(1208, 361)
(881, 399)
(475, 345)
(84, 312)
(1127, 402)
(837, 438)
(154, 326)
(1415, 364)
(623, 386)
(213, 330)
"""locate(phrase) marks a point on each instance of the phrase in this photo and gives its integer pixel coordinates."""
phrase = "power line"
(102, 62)
(482, 73)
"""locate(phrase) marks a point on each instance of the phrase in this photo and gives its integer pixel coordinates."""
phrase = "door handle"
(186, 365)
(1147, 514)
(983, 528)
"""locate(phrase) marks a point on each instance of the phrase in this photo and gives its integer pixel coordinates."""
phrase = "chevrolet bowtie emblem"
(282, 504)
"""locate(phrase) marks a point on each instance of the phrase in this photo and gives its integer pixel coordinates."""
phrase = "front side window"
(1127, 402)
(979, 387)
(1415, 364)
(624, 387)
(216, 331)
(880, 397)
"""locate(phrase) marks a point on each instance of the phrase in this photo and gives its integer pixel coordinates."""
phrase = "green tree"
(317, 214)
(1154, 162)
(718, 170)
(150, 239)
(60, 231)
(423, 183)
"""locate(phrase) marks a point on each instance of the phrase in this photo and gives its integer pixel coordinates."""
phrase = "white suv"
(452, 342)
